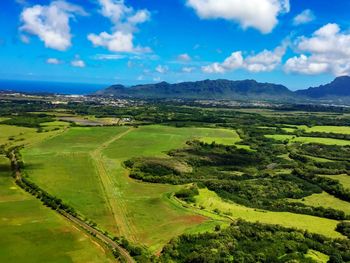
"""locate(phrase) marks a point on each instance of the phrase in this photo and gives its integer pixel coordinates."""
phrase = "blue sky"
(293, 42)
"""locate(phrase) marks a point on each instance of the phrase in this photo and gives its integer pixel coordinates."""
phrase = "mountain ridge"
(223, 89)
(208, 89)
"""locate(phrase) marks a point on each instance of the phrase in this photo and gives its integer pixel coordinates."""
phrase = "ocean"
(50, 87)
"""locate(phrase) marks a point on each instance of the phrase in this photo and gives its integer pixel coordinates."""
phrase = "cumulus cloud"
(304, 17)
(53, 61)
(162, 69)
(78, 63)
(125, 21)
(184, 57)
(51, 23)
(259, 14)
(262, 62)
(326, 51)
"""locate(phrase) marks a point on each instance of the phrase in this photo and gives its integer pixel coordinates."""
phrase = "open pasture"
(212, 201)
(292, 138)
(16, 136)
(35, 233)
(329, 129)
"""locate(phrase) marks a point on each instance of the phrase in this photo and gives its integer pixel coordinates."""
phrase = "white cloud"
(162, 69)
(125, 20)
(304, 17)
(78, 63)
(259, 14)
(184, 57)
(51, 23)
(305, 65)
(265, 61)
(157, 79)
(188, 69)
(53, 61)
(262, 62)
(326, 51)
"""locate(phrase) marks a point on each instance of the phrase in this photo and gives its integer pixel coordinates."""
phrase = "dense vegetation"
(247, 242)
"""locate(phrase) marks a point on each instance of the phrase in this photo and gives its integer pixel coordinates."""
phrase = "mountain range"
(338, 90)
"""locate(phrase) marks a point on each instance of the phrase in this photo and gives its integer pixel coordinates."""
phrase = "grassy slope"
(33, 233)
(324, 226)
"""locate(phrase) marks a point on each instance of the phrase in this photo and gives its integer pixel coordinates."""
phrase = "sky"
(291, 42)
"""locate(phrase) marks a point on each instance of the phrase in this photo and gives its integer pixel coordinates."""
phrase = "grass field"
(15, 135)
(326, 200)
(292, 138)
(84, 167)
(211, 201)
(344, 179)
(33, 233)
(329, 129)
(317, 256)
(325, 129)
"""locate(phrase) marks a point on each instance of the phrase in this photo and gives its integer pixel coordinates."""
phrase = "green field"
(212, 201)
(317, 256)
(329, 129)
(293, 138)
(326, 200)
(325, 129)
(33, 233)
(84, 167)
(15, 135)
(344, 179)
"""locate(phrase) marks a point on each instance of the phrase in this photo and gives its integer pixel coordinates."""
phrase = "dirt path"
(113, 198)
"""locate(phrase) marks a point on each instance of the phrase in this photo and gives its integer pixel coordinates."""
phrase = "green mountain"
(207, 89)
(340, 87)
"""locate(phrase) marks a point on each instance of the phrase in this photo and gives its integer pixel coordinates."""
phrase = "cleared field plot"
(291, 138)
(344, 179)
(317, 256)
(77, 140)
(319, 159)
(222, 136)
(15, 136)
(33, 233)
(326, 200)
(211, 201)
(84, 167)
(329, 129)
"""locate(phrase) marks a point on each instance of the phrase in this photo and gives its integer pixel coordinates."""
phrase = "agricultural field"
(293, 138)
(329, 129)
(16, 135)
(84, 167)
(33, 233)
